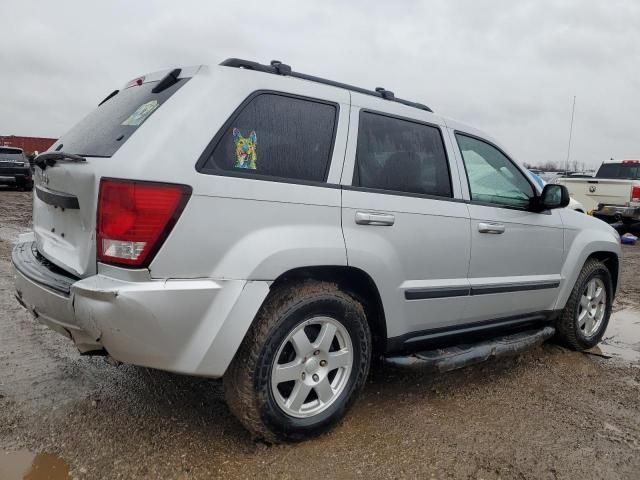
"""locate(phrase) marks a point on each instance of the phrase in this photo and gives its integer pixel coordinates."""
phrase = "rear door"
(516, 254)
(66, 194)
(403, 221)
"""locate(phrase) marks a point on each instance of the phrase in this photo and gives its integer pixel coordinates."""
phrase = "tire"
(570, 329)
(27, 186)
(251, 385)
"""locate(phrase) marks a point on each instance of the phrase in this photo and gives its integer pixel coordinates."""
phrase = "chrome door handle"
(495, 228)
(371, 218)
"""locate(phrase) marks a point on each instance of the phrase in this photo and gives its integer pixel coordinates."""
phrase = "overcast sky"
(510, 68)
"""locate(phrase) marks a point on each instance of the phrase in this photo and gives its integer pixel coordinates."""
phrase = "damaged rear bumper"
(185, 326)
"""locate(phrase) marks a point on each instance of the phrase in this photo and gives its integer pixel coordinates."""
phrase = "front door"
(516, 254)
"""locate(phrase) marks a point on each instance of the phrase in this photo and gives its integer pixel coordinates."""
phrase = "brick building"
(27, 144)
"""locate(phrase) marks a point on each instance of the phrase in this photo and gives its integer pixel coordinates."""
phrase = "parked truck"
(613, 195)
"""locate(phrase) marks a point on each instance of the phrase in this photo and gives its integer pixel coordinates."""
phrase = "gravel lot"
(550, 413)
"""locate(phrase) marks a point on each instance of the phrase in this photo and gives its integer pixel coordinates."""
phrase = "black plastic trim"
(423, 293)
(445, 292)
(208, 151)
(28, 261)
(464, 333)
(57, 199)
(513, 287)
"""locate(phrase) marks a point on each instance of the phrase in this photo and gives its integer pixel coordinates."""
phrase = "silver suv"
(281, 230)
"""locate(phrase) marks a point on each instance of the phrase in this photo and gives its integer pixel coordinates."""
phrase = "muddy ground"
(549, 413)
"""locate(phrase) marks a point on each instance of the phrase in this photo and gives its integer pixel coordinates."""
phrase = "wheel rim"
(312, 367)
(593, 304)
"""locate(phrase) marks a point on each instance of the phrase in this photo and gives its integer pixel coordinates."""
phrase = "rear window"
(276, 135)
(10, 154)
(619, 170)
(108, 127)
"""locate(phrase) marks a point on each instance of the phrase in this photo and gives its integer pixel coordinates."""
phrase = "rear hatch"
(66, 193)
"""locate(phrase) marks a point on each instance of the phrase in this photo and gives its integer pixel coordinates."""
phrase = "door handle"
(495, 228)
(371, 218)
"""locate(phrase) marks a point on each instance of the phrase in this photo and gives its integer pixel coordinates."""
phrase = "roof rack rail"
(278, 68)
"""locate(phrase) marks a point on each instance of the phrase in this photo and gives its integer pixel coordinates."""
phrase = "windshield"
(619, 170)
(108, 127)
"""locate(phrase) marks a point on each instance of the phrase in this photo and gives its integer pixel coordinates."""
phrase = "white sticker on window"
(141, 113)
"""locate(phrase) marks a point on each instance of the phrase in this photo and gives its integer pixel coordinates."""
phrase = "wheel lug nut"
(303, 375)
(315, 377)
(317, 352)
(323, 363)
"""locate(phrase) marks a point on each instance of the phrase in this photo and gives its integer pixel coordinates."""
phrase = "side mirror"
(553, 196)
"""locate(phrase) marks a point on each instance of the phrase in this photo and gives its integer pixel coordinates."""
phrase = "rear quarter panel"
(242, 228)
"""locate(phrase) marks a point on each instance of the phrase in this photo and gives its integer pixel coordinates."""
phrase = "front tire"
(586, 314)
(302, 363)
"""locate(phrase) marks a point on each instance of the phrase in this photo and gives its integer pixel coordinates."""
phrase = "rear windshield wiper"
(49, 159)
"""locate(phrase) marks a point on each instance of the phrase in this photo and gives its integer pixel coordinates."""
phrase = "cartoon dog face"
(245, 149)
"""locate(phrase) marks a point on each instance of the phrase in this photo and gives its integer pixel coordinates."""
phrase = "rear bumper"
(10, 177)
(614, 214)
(185, 326)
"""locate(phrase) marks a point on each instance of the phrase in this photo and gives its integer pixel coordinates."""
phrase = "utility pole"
(573, 111)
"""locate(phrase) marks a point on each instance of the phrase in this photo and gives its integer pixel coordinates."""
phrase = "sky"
(509, 68)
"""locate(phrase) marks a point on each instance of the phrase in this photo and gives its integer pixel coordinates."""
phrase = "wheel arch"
(580, 251)
(612, 261)
(355, 282)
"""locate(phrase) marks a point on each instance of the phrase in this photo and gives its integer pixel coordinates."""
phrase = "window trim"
(213, 144)
(355, 178)
(466, 173)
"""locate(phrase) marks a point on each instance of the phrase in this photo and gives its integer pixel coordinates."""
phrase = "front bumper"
(185, 326)
(614, 214)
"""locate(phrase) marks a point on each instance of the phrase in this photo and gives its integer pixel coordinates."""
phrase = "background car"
(15, 168)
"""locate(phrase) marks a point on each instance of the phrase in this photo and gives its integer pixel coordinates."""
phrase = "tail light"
(135, 218)
(635, 194)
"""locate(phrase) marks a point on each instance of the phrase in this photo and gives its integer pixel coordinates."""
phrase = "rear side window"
(402, 156)
(108, 127)
(619, 170)
(276, 135)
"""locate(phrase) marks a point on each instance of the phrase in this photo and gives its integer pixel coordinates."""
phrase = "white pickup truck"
(613, 195)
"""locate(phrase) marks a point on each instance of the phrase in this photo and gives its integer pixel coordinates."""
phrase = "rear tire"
(302, 363)
(586, 314)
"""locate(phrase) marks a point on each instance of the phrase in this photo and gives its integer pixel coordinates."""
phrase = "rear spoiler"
(166, 78)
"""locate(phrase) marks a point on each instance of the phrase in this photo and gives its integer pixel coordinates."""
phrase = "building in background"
(28, 144)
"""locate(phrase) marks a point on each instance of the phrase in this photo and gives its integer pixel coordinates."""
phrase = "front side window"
(493, 178)
(402, 156)
(277, 136)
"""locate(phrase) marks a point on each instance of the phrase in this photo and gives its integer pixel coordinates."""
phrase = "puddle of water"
(24, 465)
(622, 338)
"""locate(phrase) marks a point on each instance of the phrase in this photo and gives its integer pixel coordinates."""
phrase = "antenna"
(573, 111)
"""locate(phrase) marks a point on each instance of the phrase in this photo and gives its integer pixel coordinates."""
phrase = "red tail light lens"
(134, 219)
(635, 194)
